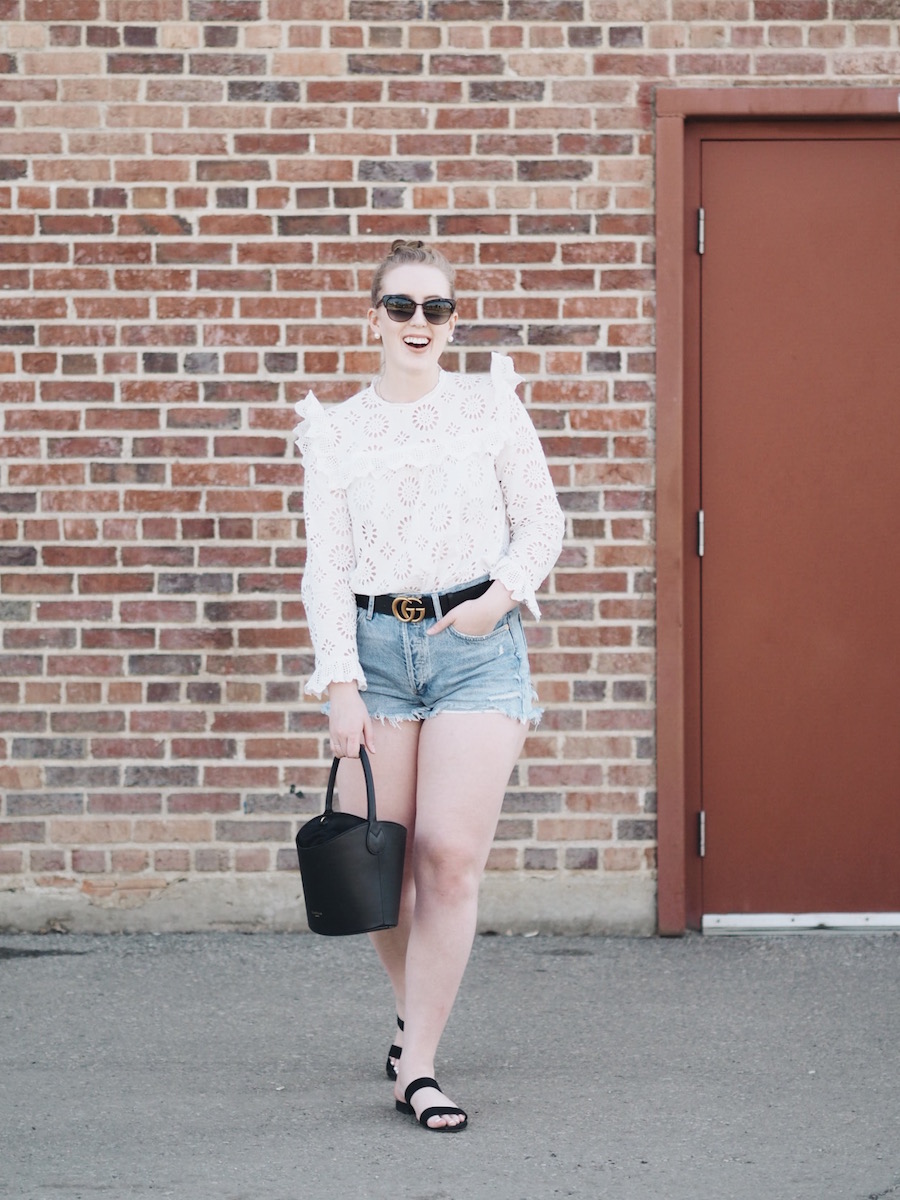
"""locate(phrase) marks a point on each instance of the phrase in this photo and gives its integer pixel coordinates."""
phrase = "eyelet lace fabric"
(419, 498)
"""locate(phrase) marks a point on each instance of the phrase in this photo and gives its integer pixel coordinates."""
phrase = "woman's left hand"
(477, 617)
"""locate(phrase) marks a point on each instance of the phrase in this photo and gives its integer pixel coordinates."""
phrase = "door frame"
(679, 902)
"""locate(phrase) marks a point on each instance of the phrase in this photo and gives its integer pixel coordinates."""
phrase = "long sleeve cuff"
(516, 581)
(345, 670)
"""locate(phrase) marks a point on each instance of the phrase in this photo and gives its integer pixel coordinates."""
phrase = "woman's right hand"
(349, 723)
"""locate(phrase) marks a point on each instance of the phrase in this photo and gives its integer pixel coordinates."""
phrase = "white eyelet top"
(418, 498)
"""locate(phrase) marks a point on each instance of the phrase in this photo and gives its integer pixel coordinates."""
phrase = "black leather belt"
(416, 608)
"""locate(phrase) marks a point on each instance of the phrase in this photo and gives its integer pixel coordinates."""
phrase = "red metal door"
(800, 487)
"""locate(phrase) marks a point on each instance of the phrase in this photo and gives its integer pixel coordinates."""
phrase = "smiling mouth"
(417, 343)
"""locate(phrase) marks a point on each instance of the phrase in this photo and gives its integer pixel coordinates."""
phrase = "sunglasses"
(402, 308)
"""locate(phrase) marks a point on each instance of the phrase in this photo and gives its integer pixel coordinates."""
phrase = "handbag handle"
(375, 840)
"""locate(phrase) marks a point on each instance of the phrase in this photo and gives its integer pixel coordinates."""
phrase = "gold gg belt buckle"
(408, 608)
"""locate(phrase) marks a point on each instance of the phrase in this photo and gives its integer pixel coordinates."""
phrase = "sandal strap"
(444, 1111)
(395, 1051)
(400, 1025)
(418, 1084)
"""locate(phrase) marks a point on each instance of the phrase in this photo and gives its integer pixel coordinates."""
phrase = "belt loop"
(436, 601)
(371, 608)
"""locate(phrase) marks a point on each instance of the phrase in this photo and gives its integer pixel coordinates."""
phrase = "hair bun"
(409, 250)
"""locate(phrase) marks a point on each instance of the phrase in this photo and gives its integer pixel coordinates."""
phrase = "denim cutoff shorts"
(411, 676)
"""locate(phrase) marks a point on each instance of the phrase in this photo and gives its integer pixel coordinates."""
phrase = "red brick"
(256, 777)
(290, 748)
(89, 832)
(204, 802)
(89, 861)
(385, 64)
(176, 831)
(34, 252)
(193, 252)
(215, 748)
(127, 748)
(153, 280)
(649, 65)
(790, 10)
(120, 582)
(228, 64)
(128, 861)
(710, 10)
(252, 860)
(17, 832)
(12, 862)
(18, 280)
(862, 10)
(158, 610)
(150, 500)
(176, 860)
(145, 64)
(793, 64)
(59, 10)
(46, 860)
(712, 64)
(252, 831)
(217, 859)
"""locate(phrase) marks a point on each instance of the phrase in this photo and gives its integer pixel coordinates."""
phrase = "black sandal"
(440, 1111)
(393, 1054)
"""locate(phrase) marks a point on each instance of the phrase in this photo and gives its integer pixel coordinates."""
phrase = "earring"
(450, 338)
(377, 335)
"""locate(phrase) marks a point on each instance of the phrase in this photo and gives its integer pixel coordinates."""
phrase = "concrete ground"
(242, 1067)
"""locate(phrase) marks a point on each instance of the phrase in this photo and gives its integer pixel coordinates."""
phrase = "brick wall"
(192, 196)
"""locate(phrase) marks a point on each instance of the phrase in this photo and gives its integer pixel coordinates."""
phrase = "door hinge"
(701, 533)
(701, 230)
(701, 833)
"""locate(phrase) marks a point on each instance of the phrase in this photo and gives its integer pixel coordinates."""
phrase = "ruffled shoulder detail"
(503, 372)
(312, 420)
(318, 435)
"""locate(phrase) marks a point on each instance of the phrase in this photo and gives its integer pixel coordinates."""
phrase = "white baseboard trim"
(736, 923)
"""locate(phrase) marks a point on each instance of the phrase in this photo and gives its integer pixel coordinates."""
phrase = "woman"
(430, 516)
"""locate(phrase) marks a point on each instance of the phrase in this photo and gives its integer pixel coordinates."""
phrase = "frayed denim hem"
(396, 720)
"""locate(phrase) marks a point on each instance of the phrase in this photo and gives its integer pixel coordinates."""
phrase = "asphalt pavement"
(251, 1067)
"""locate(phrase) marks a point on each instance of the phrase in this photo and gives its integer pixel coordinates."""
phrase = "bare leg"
(394, 770)
(464, 764)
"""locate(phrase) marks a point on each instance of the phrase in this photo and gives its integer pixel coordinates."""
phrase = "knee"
(451, 872)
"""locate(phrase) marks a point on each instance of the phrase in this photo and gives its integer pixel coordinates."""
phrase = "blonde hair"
(404, 251)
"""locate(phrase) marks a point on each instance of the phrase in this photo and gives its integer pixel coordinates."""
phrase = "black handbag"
(352, 867)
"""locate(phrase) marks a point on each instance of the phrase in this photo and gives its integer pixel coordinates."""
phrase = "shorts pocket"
(499, 629)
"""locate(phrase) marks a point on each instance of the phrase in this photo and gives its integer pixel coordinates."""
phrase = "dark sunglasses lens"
(399, 308)
(438, 312)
